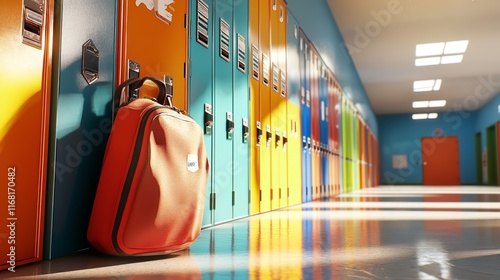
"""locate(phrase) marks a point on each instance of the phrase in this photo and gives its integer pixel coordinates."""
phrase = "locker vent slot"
(265, 69)
(255, 62)
(33, 20)
(202, 23)
(242, 53)
(275, 78)
(283, 83)
(225, 40)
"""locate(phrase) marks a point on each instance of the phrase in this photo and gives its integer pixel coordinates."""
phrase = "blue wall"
(487, 116)
(316, 20)
(399, 134)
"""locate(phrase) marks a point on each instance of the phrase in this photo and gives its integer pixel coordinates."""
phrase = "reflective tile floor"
(401, 232)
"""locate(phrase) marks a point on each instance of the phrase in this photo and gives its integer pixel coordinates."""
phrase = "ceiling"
(382, 35)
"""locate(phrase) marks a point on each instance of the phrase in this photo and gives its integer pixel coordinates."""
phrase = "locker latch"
(133, 72)
(245, 130)
(208, 119)
(304, 143)
(277, 139)
(269, 136)
(90, 62)
(259, 133)
(229, 125)
(169, 84)
(309, 144)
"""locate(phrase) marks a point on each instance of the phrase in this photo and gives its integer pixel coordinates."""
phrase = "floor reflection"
(378, 233)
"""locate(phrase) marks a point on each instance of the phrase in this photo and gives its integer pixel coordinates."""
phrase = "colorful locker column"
(323, 130)
(331, 133)
(354, 147)
(152, 36)
(200, 83)
(223, 115)
(294, 132)
(345, 146)
(284, 192)
(82, 91)
(276, 143)
(255, 120)
(25, 56)
(370, 159)
(265, 105)
(362, 154)
(315, 123)
(305, 114)
(240, 110)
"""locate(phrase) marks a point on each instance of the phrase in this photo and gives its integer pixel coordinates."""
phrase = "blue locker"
(83, 83)
(200, 85)
(223, 110)
(323, 132)
(241, 162)
(305, 95)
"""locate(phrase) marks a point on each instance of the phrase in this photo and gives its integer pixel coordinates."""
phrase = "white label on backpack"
(192, 163)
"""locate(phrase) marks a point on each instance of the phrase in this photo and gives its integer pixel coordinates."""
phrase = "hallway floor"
(399, 232)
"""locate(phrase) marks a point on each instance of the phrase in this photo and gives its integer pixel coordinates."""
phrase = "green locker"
(223, 111)
(83, 81)
(241, 134)
(200, 85)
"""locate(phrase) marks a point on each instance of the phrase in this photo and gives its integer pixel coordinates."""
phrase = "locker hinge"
(249, 196)
(279, 193)
(185, 66)
(234, 197)
(271, 194)
(212, 201)
(185, 21)
(260, 195)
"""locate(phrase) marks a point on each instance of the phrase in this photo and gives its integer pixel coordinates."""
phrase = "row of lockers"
(278, 129)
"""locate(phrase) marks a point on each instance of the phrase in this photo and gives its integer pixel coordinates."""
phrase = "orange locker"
(152, 41)
(26, 32)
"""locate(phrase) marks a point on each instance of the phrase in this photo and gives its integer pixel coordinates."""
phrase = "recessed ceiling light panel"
(420, 104)
(427, 85)
(428, 61)
(430, 49)
(419, 116)
(437, 103)
(450, 59)
(456, 47)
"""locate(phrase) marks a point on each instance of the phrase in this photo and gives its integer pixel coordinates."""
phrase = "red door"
(440, 161)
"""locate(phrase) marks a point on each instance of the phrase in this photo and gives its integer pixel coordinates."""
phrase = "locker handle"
(285, 140)
(90, 61)
(259, 134)
(245, 130)
(277, 139)
(229, 125)
(269, 136)
(208, 119)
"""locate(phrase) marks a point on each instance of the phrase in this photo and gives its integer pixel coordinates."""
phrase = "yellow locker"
(275, 107)
(283, 104)
(265, 110)
(255, 120)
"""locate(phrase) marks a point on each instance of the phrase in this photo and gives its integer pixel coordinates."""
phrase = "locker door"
(265, 110)
(345, 147)
(223, 114)
(241, 110)
(255, 120)
(305, 95)
(163, 54)
(200, 82)
(276, 129)
(315, 123)
(324, 130)
(283, 104)
(24, 116)
(294, 132)
(80, 118)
